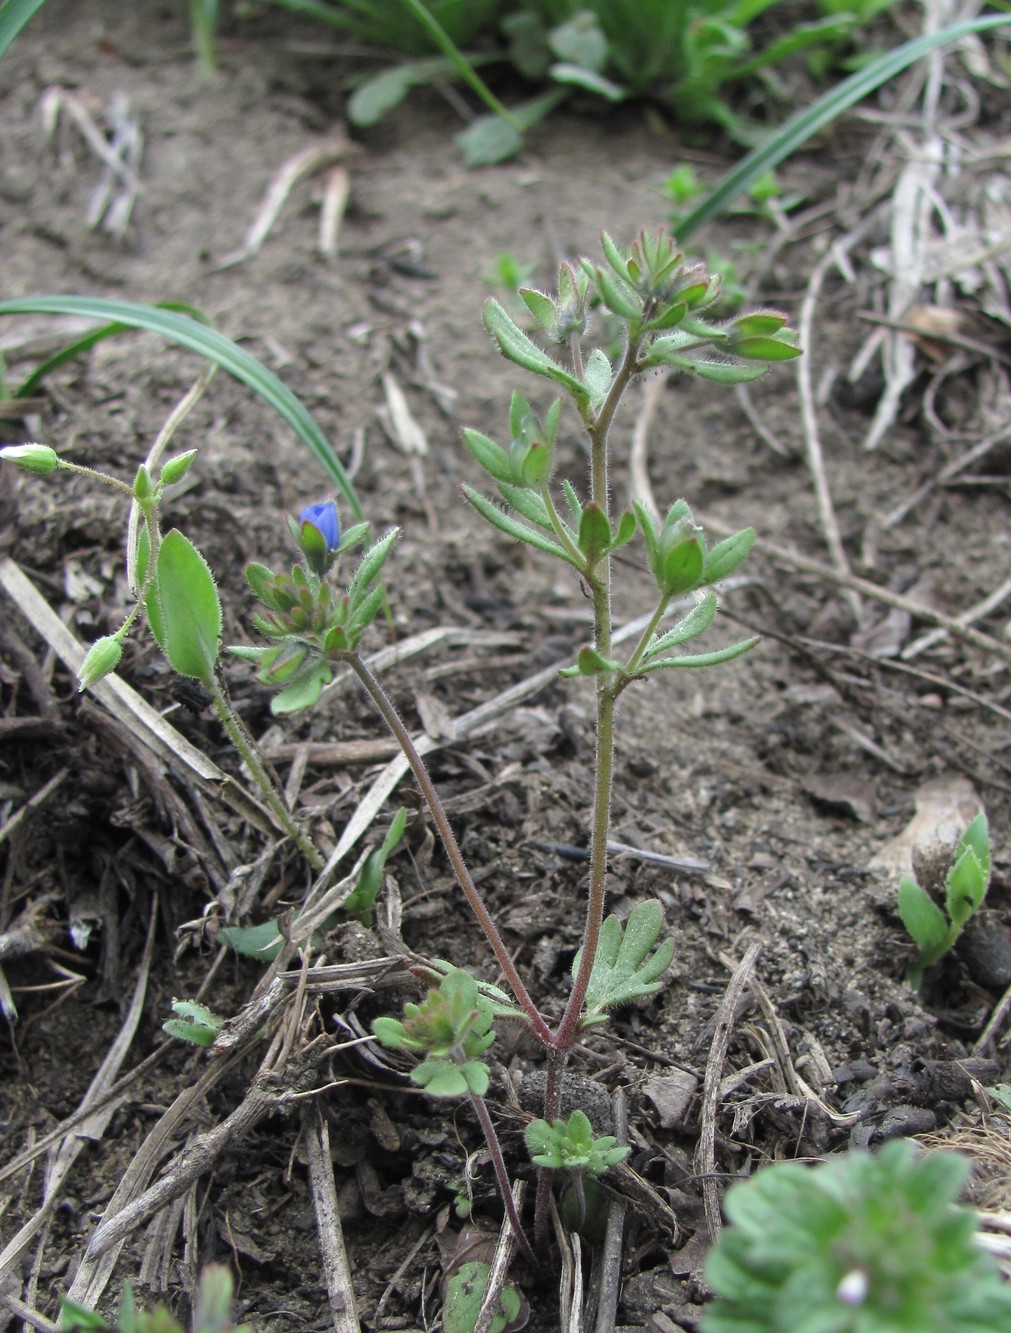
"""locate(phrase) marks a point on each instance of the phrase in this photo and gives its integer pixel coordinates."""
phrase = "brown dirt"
(785, 772)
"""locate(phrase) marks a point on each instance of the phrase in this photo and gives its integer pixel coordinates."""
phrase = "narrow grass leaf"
(801, 127)
(14, 14)
(206, 342)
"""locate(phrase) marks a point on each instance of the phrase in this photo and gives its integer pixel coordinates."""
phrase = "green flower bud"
(101, 658)
(32, 457)
(176, 468)
(143, 486)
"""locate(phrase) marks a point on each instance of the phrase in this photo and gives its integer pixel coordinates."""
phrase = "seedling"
(932, 929)
(211, 1311)
(860, 1244)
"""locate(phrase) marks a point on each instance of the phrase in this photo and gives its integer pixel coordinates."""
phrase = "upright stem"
(463, 876)
(246, 747)
(600, 589)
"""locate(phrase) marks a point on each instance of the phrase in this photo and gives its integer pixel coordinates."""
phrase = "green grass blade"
(206, 342)
(799, 128)
(79, 346)
(460, 62)
(14, 14)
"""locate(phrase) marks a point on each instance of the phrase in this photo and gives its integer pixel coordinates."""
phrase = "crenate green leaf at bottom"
(624, 969)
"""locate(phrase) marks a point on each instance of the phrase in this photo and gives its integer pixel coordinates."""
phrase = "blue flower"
(323, 517)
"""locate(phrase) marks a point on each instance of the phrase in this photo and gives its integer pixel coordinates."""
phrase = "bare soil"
(779, 777)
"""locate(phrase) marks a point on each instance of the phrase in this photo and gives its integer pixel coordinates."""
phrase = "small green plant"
(211, 1311)
(933, 930)
(314, 618)
(689, 57)
(860, 1244)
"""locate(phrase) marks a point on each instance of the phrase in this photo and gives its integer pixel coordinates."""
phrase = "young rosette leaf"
(572, 1146)
(183, 608)
(451, 1027)
(624, 968)
(194, 1023)
(859, 1244)
(969, 878)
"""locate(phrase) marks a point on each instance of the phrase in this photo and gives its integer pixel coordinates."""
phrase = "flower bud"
(319, 535)
(32, 457)
(176, 468)
(101, 658)
(143, 486)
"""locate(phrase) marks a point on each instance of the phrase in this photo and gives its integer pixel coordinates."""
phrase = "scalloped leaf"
(624, 968)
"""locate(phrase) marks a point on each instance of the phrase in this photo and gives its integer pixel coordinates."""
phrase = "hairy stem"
(600, 589)
(246, 747)
(464, 878)
(502, 1175)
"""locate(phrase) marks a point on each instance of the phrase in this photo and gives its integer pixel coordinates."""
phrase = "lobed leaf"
(624, 969)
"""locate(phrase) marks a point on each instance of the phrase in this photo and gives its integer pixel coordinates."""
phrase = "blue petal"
(323, 518)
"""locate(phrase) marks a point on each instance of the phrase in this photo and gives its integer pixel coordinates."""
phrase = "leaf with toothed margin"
(624, 968)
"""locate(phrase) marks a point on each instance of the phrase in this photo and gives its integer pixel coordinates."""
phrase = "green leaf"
(541, 307)
(618, 298)
(806, 123)
(303, 690)
(597, 376)
(379, 94)
(488, 141)
(578, 77)
(966, 887)
(625, 531)
(697, 620)
(370, 878)
(370, 567)
(726, 372)
(514, 344)
(14, 14)
(527, 503)
(624, 969)
(184, 610)
(72, 1315)
(590, 663)
(977, 836)
(194, 1023)
(263, 941)
(513, 527)
(679, 569)
(765, 349)
(921, 916)
(726, 555)
(594, 533)
(615, 258)
(465, 1295)
(206, 342)
(695, 660)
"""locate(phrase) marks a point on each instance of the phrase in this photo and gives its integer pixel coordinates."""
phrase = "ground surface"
(780, 776)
